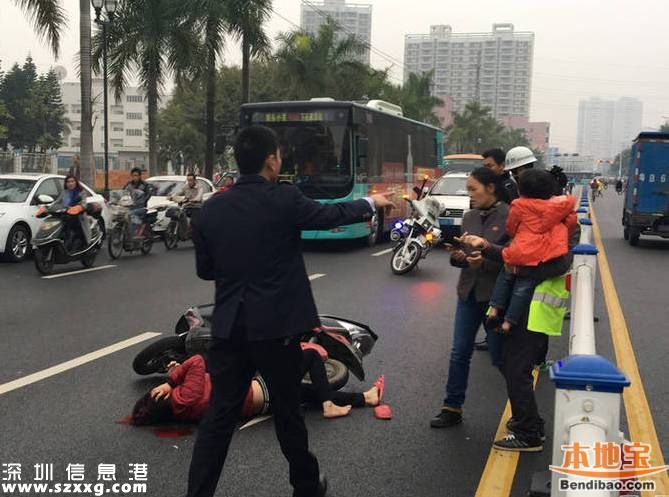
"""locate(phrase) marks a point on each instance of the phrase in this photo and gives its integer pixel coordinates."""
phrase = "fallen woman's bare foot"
(332, 410)
(372, 396)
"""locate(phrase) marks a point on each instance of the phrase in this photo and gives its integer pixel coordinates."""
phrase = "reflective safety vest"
(549, 306)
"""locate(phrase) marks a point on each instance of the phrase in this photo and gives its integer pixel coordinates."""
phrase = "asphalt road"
(71, 417)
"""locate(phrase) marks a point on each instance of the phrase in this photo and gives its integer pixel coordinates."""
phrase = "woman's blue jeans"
(469, 316)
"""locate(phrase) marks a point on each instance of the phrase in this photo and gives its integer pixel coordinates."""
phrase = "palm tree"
(48, 18)
(311, 64)
(243, 19)
(153, 38)
(87, 160)
(473, 129)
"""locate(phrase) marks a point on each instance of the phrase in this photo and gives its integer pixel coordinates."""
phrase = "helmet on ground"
(519, 156)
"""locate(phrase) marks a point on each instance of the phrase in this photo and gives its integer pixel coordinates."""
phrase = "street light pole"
(110, 7)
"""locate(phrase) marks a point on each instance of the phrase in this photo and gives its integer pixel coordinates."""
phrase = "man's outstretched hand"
(383, 201)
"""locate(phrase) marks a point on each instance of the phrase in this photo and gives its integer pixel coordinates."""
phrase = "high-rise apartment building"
(605, 127)
(493, 68)
(353, 19)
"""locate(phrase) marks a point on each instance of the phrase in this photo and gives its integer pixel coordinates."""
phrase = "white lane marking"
(60, 275)
(315, 276)
(71, 364)
(255, 421)
(383, 252)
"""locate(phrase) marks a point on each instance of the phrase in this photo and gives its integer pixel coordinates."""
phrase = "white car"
(18, 205)
(451, 192)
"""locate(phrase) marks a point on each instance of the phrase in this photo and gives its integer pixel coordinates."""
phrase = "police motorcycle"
(178, 228)
(60, 239)
(132, 226)
(344, 344)
(416, 235)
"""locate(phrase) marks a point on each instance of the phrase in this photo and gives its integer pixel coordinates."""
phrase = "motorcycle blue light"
(398, 225)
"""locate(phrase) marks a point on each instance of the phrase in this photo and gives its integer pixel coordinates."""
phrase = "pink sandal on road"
(382, 411)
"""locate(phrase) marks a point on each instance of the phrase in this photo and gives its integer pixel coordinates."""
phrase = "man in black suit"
(248, 241)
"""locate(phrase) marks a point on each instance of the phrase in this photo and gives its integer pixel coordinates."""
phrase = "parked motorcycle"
(55, 242)
(128, 233)
(346, 343)
(417, 234)
(179, 226)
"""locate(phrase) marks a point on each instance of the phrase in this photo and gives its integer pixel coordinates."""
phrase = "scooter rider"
(138, 211)
(73, 197)
(193, 194)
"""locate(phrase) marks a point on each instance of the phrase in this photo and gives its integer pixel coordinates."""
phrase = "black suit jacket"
(248, 241)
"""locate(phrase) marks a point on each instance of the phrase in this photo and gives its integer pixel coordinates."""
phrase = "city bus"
(338, 151)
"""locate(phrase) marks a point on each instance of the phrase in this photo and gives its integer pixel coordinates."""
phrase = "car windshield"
(15, 191)
(164, 188)
(450, 186)
(461, 165)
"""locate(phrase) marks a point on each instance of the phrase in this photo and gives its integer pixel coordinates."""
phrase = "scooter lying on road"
(417, 234)
(127, 234)
(179, 227)
(345, 342)
(56, 243)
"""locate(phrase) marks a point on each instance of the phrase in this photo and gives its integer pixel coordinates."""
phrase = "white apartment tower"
(605, 127)
(354, 19)
(493, 68)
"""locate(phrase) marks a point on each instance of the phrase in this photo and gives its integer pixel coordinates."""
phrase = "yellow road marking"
(639, 417)
(500, 468)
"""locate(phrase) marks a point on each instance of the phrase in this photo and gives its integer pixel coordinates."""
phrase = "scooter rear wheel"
(337, 374)
(155, 357)
(171, 237)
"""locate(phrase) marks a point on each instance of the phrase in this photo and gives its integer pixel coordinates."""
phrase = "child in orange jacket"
(539, 224)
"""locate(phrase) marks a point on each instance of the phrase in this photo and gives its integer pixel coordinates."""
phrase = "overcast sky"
(583, 48)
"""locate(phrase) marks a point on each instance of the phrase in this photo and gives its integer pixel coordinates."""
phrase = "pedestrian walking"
(248, 241)
(477, 279)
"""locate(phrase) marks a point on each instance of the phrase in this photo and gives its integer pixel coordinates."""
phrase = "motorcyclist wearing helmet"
(77, 227)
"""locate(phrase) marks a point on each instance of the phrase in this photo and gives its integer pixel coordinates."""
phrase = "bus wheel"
(375, 229)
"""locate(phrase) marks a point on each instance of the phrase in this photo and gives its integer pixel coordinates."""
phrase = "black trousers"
(232, 363)
(522, 350)
(320, 390)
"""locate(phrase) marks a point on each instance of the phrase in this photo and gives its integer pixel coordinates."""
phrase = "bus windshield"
(315, 151)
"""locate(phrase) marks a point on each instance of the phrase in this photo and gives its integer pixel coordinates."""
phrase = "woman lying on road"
(487, 219)
(186, 394)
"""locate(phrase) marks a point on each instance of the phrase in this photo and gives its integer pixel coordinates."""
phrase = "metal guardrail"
(588, 386)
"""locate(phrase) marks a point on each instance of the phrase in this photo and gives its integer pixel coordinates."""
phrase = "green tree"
(5, 121)
(48, 19)
(664, 128)
(15, 91)
(153, 39)
(47, 112)
(476, 129)
(311, 65)
(415, 98)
